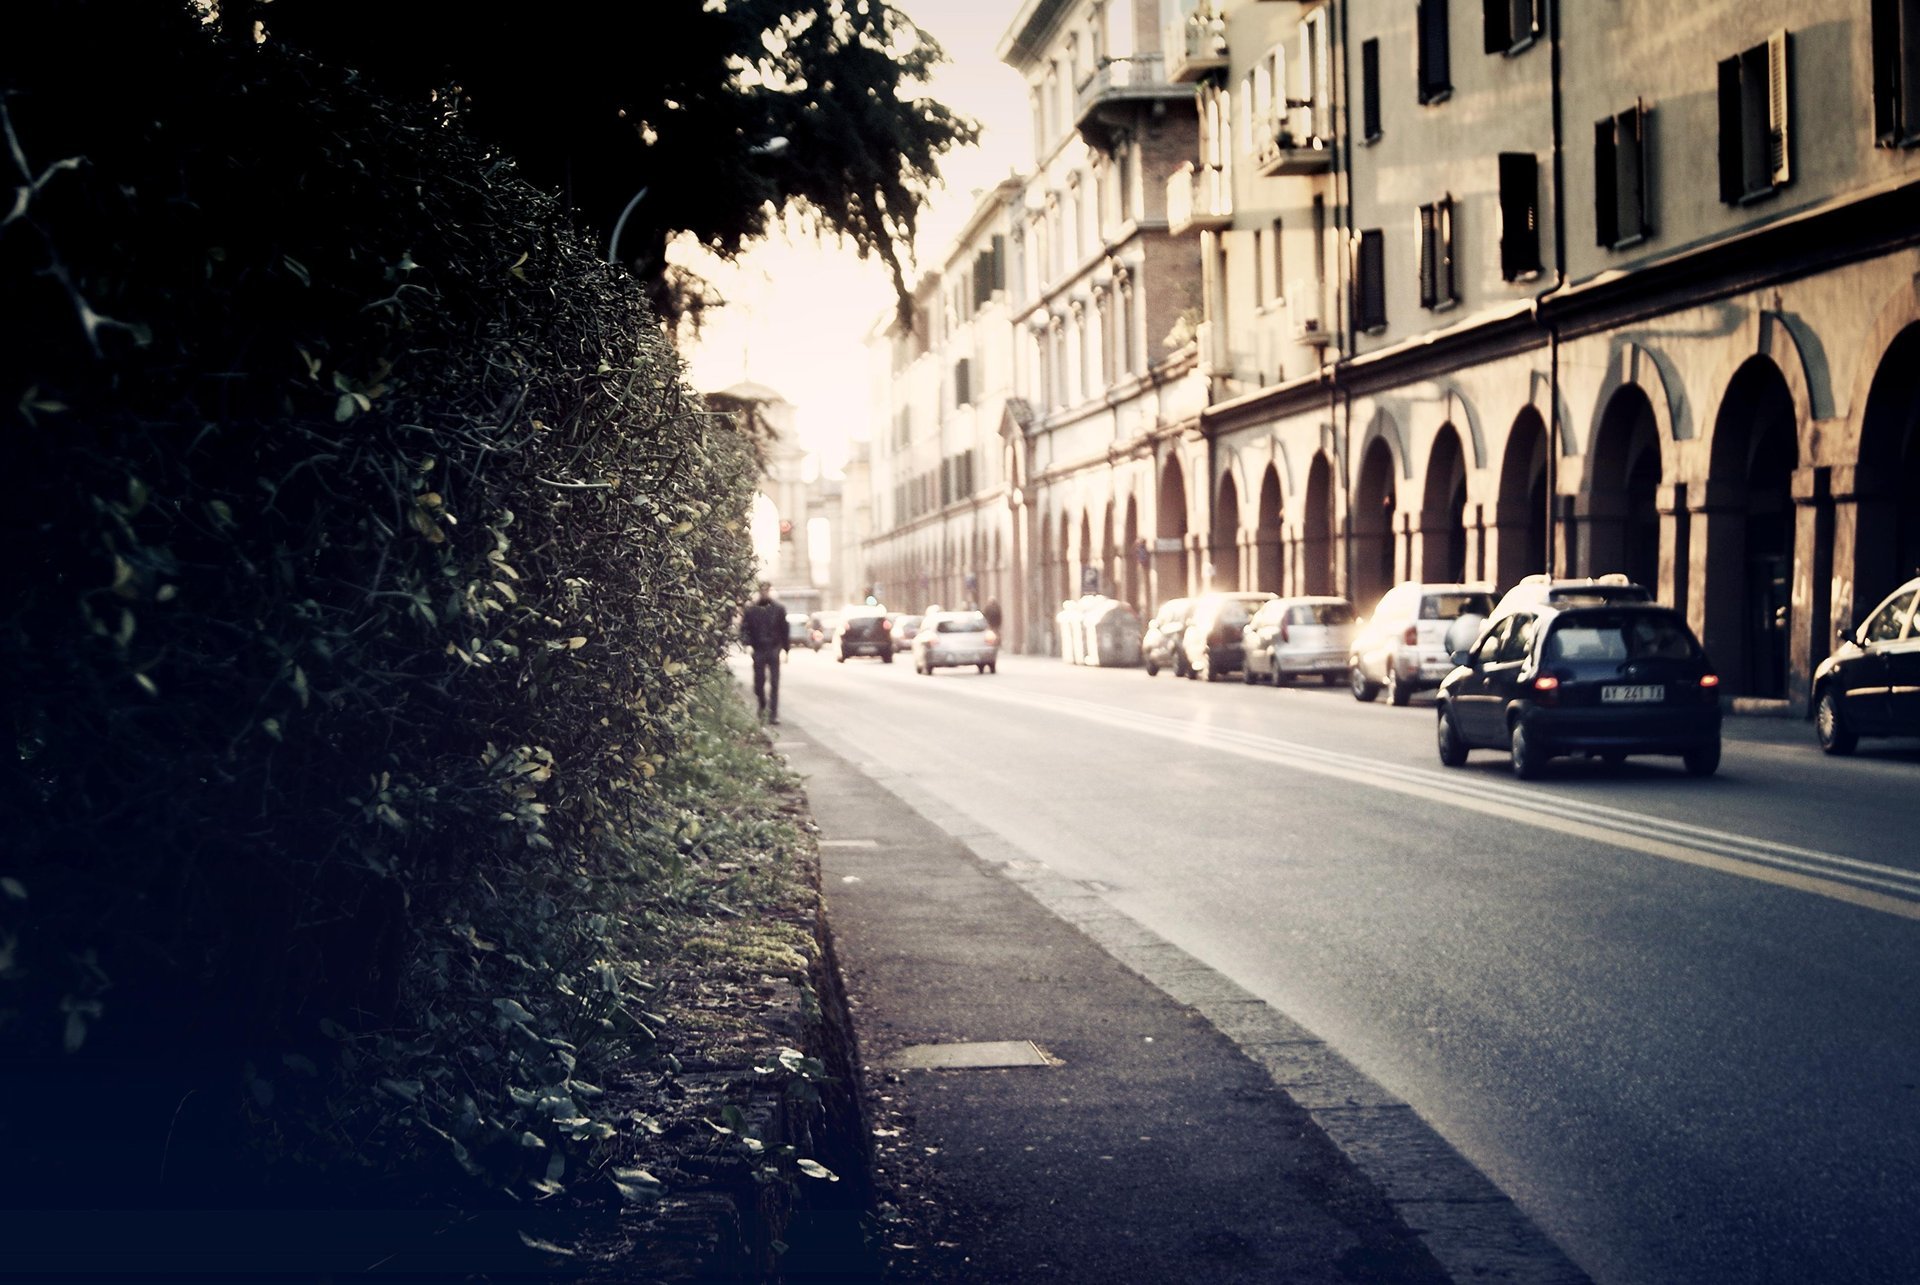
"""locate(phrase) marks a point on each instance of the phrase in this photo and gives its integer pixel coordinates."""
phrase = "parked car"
(952, 638)
(1871, 686)
(904, 628)
(1403, 646)
(1290, 637)
(1214, 643)
(1160, 644)
(866, 631)
(1607, 680)
(801, 633)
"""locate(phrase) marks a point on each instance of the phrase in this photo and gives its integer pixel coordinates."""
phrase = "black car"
(1605, 681)
(1871, 686)
(866, 632)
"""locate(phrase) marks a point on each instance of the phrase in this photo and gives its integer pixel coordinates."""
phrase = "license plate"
(1620, 695)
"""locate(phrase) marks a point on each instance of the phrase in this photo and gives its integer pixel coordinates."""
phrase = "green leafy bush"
(364, 550)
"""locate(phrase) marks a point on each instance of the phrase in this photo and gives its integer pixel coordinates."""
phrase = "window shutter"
(1370, 90)
(1435, 75)
(1449, 291)
(1606, 198)
(1779, 138)
(1526, 20)
(1429, 255)
(1369, 281)
(1886, 72)
(1632, 152)
(1519, 215)
(1906, 40)
(999, 262)
(1732, 180)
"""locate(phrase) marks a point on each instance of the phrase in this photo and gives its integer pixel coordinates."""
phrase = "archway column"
(1864, 516)
(1716, 571)
(1598, 537)
(1677, 578)
(1812, 639)
(1511, 522)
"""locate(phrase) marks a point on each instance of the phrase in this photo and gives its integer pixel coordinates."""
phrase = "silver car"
(1292, 637)
(1403, 647)
(948, 639)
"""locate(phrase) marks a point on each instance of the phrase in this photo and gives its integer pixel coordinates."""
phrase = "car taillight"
(1709, 680)
(993, 639)
(1546, 683)
(886, 626)
(1412, 638)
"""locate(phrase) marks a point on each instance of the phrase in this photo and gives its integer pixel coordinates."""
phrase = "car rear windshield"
(1321, 613)
(974, 624)
(1619, 636)
(1451, 606)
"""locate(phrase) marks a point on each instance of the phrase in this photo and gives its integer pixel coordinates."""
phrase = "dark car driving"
(1871, 685)
(1214, 644)
(866, 631)
(1604, 681)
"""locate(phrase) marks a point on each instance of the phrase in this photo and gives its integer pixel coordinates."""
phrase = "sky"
(800, 311)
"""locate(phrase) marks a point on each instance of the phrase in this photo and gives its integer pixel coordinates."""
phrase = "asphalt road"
(1674, 1019)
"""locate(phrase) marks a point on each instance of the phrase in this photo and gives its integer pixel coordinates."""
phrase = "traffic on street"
(1670, 1014)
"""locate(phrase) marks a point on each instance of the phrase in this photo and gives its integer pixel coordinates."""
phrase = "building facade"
(1490, 287)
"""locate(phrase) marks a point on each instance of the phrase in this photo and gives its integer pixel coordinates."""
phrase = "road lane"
(1681, 1074)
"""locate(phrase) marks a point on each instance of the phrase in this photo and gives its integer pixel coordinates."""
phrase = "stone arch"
(1372, 568)
(1384, 429)
(1170, 530)
(1317, 541)
(1464, 417)
(1269, 517)
(1631, 367)
(1747, 513)
(1443, 509)
(1885, 486)
(1617, 516)
(1520, 514)
(1224, 548)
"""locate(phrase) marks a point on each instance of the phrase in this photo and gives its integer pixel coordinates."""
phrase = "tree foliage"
(725, 113)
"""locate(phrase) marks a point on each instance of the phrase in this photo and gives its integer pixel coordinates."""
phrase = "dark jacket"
(763, 625)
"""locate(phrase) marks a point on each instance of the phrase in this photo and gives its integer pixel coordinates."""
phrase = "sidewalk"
(1146, 1145)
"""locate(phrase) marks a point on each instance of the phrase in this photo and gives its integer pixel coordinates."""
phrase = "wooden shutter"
(1887, 79)
(1370, 281)
(1446, 292)
(1519, 215)
(1370, 90)
(1907, 52)
(1497, 24)
(1429, 255)
(1606, 183)
(1779, 137)
(1632, 154)
(1733, 184)
(1435, 73)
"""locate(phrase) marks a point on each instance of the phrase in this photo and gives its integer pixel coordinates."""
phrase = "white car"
(952, 638)
(1290, 637)
(1404, 646)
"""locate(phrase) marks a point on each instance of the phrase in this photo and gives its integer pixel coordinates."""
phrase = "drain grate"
(974, 1056)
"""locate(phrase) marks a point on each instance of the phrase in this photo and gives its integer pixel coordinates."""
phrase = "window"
(963, 382)
(1370, 281)
(1272, 264)
(1620, 179)
(1370, 91)
(1517, 642)
(1887, 623)
(1896, 72)
(1754, 142)
(1512, 25)
(1519, 215)
(1437, 288)
(1435, 76)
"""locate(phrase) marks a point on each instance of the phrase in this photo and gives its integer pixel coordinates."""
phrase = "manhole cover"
(990, 1053)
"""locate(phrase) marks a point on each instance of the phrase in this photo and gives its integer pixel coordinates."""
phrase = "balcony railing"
(1289, 143)
(1196, 45)
(1199, 199)
(1111, 95)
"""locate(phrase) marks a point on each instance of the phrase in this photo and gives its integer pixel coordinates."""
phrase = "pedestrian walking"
(763, 628)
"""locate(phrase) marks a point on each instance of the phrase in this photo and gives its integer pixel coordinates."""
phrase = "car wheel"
(1528, 758)
(1152, 669)
(886, 658)
(1613, 760)
(993, 667)
(843, 657)
(1280, 677)
(980, 668)
(1398, 693)
(1453, 750)
(1362, 689)
(1247, 675)
(1830, 724)
(1704, 761)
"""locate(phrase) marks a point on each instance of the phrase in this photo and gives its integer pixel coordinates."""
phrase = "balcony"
(1290, 144)
(1111, 95)
(1196, 45)
(1198, 200)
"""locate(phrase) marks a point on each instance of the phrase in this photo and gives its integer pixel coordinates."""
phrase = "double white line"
(1866, 884)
